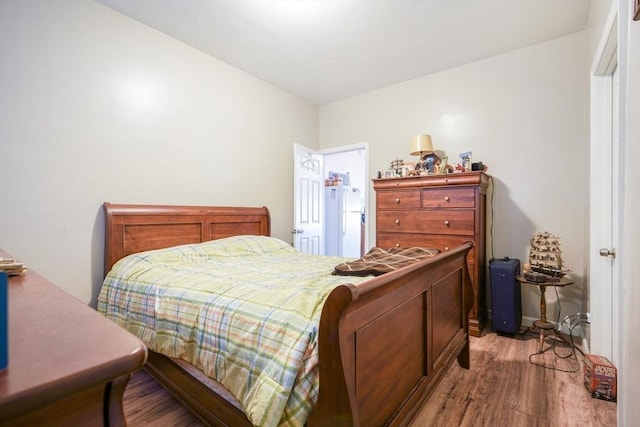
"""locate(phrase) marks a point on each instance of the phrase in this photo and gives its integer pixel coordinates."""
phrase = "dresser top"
(480, 179)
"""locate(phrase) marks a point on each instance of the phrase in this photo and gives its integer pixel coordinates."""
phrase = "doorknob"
(608, 252)
(297, 231)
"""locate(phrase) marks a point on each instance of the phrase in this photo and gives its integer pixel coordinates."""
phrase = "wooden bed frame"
(383, 344)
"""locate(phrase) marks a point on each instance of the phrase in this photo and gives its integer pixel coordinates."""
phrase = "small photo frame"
(442, 166)
(390, 173)
(465, 161)
(406, 170)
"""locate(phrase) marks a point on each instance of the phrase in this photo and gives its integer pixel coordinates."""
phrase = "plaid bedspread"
(245, 310)
(379, 261)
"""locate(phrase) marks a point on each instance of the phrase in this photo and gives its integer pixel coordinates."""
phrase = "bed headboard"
(136, 228)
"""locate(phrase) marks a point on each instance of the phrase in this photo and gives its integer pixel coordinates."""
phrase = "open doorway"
(346, 190)
(336, 174)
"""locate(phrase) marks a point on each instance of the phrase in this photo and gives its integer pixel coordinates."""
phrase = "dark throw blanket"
(379, 261)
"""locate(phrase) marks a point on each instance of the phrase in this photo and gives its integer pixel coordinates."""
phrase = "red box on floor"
(600, 377)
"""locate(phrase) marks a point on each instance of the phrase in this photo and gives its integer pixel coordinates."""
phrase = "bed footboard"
(385, 343)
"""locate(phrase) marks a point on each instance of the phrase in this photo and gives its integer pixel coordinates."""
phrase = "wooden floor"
(502, 388)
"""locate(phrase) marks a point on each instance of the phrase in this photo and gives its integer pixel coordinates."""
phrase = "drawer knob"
(398, 200)
(397, 221)
(446, 198)
(446, 222)
(397, 245)
(446, 248)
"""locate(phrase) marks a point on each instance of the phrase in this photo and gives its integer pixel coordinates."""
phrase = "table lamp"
(421, 145)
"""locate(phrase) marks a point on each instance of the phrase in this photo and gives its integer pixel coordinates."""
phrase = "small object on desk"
(12, 267)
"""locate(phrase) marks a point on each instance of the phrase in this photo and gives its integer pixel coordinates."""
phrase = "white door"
(308, 186)
(604, 188)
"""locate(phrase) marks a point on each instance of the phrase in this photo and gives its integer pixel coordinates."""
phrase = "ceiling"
(326, 50)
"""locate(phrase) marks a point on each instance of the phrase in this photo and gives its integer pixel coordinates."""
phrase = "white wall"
(524, 115)
(96, 107)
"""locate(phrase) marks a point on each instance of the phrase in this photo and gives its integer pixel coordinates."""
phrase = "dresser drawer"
(448, 198)
(407, 199)
(458, 222)
(442, 243)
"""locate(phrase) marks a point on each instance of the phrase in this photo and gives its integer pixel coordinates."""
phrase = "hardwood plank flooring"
(147, 403)
(502, 388)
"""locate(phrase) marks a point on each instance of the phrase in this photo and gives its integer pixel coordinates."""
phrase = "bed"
(383, 342)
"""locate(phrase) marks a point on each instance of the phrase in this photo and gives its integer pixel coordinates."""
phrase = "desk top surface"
(58, 345)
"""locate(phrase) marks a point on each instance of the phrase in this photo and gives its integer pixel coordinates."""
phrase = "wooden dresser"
(440, 211)
(68, 365)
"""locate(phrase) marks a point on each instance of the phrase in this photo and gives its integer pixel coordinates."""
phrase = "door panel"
(308, 187)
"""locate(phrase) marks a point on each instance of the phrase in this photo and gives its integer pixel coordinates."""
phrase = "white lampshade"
(421, 145)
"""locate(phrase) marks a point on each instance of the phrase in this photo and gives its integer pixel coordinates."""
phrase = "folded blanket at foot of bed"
(379, 261)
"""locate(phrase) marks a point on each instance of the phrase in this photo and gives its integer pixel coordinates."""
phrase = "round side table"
(542, 323)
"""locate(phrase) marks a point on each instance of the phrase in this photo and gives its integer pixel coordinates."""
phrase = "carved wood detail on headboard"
(137, 228)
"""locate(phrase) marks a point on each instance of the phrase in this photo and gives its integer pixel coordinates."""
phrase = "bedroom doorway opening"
(346, 191)
(331, 198)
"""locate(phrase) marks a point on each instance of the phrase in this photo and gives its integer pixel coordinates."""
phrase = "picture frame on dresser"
(442, 166)
(465, 161)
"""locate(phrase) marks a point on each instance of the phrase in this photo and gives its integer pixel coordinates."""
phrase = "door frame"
(354, 147)
(604, 296)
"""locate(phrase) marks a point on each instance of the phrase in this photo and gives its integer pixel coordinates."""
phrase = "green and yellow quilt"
(244, 309)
